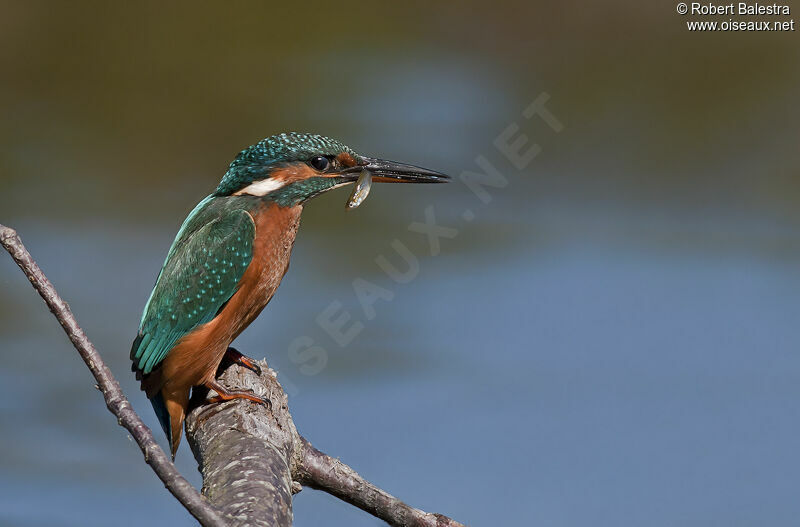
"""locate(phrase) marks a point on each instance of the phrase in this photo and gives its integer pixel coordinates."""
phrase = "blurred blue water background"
(612, 340)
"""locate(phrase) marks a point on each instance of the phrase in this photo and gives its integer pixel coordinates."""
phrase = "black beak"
(394, 172)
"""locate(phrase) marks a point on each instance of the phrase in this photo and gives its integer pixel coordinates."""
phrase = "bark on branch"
(251, 456)
(252, 459)
(320, 471)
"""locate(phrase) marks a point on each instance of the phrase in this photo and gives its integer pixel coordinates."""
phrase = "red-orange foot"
(233, 355)
(223, 394)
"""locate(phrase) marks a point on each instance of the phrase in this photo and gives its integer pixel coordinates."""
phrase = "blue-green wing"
(201, 273)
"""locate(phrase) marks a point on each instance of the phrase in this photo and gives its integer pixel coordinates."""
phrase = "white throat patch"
(262, 187)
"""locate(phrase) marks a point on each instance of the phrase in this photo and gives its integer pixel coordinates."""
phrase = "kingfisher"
(229, 257)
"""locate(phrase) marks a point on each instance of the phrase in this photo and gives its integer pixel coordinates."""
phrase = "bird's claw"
(243, 361)
(240, 395)
(250, 365)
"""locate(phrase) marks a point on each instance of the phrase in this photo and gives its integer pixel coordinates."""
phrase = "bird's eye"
(320, 163)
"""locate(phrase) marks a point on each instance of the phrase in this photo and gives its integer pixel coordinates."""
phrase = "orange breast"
(195, 358)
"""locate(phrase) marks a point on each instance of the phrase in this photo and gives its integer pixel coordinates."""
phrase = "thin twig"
(116, 401)
(321, 471)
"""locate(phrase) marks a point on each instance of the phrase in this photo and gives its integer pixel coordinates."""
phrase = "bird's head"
(291, 168)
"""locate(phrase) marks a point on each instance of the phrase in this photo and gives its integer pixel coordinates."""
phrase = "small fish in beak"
(360, 190)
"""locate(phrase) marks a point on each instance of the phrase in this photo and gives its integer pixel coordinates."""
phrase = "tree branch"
(245, 450)
(116, 401)
(252, 457)
(321, 471)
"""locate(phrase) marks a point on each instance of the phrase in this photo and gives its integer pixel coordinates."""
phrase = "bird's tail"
(163, 415)
(171, 414)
